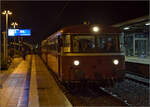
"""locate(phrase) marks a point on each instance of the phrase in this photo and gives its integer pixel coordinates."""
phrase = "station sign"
(19, 32)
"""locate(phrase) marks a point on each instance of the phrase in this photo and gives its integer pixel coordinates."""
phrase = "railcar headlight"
(116, 61)
(76, 62)
(95, 29)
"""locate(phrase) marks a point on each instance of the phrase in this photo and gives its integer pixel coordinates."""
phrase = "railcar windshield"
(90, 43)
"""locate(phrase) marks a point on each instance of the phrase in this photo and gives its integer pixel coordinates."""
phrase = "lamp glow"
(116, 62)
(9, 12)
(95, 29)
(147, 24)
(14, 23)
(126, 28)
(76, 62)
(6, 12)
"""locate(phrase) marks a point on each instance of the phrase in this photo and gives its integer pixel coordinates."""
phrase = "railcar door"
(59, 55)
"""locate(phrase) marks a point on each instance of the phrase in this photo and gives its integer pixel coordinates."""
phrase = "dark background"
(46, 17)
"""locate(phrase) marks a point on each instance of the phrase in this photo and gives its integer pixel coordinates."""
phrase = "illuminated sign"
(19, 32)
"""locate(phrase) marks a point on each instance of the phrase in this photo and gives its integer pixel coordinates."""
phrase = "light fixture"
(116, 62)
(76, 62)
(147, 24)
(6, 12)
(95, 28)
(126, 28)
(14, 23)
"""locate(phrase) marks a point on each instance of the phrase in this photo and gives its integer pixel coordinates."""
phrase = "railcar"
(85, 52)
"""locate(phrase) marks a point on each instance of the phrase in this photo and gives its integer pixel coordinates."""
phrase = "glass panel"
(140, 48)
(121, 40)
(67, 43)
(106, 44)
(83, 43)
(129, 45)
(90, 43)
(52, 45)
(140, 35)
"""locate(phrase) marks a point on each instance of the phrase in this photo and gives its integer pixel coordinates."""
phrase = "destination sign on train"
(19, 32)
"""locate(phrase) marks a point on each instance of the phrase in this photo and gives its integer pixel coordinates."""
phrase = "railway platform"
(44, 91)
(31, 85)
(28, 83)
(5, 73)
(138, 65)
(11, 93)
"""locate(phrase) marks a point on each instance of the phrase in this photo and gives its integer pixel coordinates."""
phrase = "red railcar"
(85, 52)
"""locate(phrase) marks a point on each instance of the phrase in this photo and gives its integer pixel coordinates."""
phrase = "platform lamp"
(7, 13)
(14, 24)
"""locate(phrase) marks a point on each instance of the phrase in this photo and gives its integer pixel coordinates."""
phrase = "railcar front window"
(92, 43)
(83, 43)
(106, 44)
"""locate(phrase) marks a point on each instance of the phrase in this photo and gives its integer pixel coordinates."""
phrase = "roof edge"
(128, 22)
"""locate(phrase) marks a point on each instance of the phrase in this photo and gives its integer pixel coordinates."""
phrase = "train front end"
(96, 68)
(92, 58)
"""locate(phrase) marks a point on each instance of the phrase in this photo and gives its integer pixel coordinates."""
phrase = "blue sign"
(19, 32)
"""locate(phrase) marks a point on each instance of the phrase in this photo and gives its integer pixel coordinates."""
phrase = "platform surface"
(11, 94)
(43, 84)
(5, 73)
(139, 60)
(30, 84)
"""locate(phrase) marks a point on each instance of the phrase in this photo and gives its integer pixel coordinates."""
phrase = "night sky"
(45, 18)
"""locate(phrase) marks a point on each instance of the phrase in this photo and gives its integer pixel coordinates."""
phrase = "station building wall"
(135, 43)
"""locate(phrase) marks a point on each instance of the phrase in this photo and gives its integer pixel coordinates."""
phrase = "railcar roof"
(86, 28)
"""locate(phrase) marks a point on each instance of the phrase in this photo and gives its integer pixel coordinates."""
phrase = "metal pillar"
(14, 43)
(134, 44)
(21, 43)
(19, 40)
(14, 46)
(5, 48)
(149, 46)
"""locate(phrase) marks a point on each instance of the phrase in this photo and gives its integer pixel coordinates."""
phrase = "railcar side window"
(52, 45)
(67, 43)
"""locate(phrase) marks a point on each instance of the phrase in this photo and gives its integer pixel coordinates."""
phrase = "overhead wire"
(59, 14)
(62, 10)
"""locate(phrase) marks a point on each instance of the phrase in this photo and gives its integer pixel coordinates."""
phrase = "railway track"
(126, 93)
(116, 96)
(91, 96)
(137, 79)
(85, 96)
(131, 92)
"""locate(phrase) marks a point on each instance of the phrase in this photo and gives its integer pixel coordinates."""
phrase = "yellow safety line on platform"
(33, 93)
